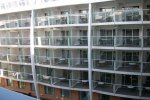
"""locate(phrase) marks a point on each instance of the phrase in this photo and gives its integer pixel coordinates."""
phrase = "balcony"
(146, 91)
(146, 15)
(62, 41)
(79, 63)
(18, 75)
(146, 41)
(19, 58)
(103, 41)
(62, 81)
(103, 64)
(3, 57)
(79, 79)
(128, 41)
(101, 17)
(43, 60)
(128, 66)
(128, 15)
(103, 82)
(127, 90)
(24, 22)
(146, 68)
(145, 86)
(61, 62)
(15, 23)
(14, 41)
(103, 86)
(62, 19)
(81, 84)
(79, 41)
(41, 21)
(44, 78)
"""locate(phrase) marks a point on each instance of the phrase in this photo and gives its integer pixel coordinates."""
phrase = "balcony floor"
(128, 91)
(64, 83)
(146, 69)
(146, 93)
(45, 81)
(129, 69)
(106, 88)
(81, 66)
(129, 45)
(105, 67)
(61, 64)
(81, 85)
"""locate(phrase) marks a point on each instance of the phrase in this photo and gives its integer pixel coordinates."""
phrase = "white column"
(32, 54)
(89, 51)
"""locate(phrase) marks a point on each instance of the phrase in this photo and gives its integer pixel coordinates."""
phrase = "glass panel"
(21, 85)
(65, 93)
(32, 87)
(49, 90)
(104, 97)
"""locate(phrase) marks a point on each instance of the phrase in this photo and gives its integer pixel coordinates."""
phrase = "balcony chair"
(45, 77)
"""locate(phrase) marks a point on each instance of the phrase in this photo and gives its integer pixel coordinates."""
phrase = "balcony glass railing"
(80, 83)
(146, 41)
(19, 58)
(103, 41)
(79, 62)
(24, 22)
(63, 62)
(61, 19)
(62, 41)
(15, 23)
(17, 75)
(129, 15)
(42, 60)
(146, 67)
(103, 86)
(146, 15)
(44, 78)
(3, 57)
(103, 64)
(62, 81)
(128, 41)
(60, 61)
(127, 89)
(14, 41)
(120, 41)
(100, 17)
(129, 66)
(79, 41)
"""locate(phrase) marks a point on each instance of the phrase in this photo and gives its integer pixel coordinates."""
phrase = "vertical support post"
(89, 51)
(32, 53)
